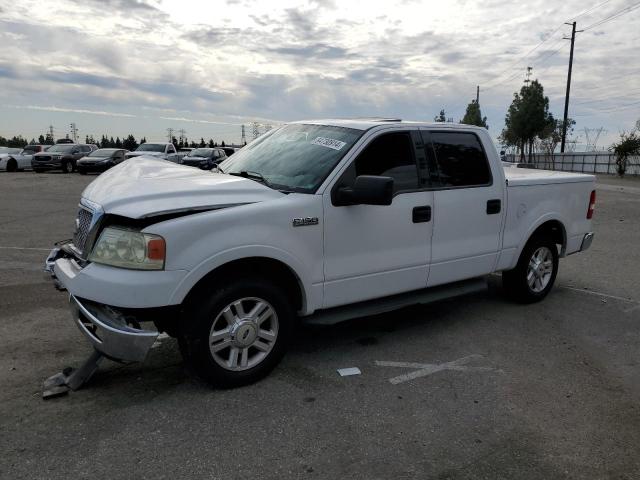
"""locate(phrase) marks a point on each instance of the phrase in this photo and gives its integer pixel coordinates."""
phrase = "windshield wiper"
(259, 178)
(251, 175)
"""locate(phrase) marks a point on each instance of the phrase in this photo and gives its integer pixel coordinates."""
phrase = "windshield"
(201, 152)
(103, 152)
(295, 157)
(151, 147)
(61, 148)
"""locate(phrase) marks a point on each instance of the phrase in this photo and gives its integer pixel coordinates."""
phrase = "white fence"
(588, 162)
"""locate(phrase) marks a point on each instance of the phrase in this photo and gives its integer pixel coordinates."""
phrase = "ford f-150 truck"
(316, 220)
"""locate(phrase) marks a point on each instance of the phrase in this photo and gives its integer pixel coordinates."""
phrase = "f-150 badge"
(304, 221)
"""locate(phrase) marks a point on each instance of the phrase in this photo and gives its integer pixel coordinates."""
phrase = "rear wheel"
(237, 333)
(12, 165)
(535, 273)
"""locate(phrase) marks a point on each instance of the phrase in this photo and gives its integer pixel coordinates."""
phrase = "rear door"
(468, 207)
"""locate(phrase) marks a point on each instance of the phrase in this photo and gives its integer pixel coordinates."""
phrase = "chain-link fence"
(590, 162)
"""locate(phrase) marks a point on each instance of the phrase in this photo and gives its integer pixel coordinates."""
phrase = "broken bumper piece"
(110, 333)
(111, 336)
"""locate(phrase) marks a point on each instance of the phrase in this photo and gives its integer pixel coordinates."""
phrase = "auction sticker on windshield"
(328, 142)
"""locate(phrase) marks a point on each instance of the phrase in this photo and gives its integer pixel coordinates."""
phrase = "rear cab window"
(459, 158)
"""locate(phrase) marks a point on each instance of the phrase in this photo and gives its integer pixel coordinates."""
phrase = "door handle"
(421, 214)
(493, 206)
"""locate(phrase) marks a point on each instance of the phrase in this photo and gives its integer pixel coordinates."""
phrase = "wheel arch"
(281, 272)
(549, 226)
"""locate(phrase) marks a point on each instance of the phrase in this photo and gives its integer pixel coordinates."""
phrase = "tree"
(441, 117)
(118, 143)
(222, 144)
(48, 140)
(175, 142)
(130, 143)
(473, 116)
(202, 144)
(16, 142)
(527, 117)
(551, 135)
(41, 140)
(210, 143)
(628, 145)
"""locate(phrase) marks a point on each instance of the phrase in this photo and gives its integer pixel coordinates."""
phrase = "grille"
(83, 225)
(43, 158)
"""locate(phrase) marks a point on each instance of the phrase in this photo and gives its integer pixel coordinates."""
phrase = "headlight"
(123, 248)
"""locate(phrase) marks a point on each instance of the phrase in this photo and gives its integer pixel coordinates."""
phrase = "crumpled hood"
(145, 187)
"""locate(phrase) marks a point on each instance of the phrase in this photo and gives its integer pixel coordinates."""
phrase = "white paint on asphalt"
(599, 294)
(424, 369)
(345, 372)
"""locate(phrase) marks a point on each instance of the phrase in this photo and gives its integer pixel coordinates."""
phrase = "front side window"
(390, 155)
(296, 157)
(461, 159)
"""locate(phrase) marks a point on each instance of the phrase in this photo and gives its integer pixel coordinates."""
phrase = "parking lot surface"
(475, 387)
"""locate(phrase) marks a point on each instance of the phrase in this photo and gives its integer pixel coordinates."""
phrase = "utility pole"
(478, 94)
(51, 132)
(170, 135)
(182, 133)
(528, 79)
(74, 132)
(566, 97)
(244, 137)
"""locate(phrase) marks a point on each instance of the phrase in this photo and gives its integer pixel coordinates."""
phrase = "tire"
(12, 165)
(227, 346)
(67, 166)
(535, 273)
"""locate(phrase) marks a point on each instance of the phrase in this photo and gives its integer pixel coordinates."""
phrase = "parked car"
(101, 160)
(162, 151)
(204, 158)
(62, 156)
(8, 158)
(320, 220)
(229, 150)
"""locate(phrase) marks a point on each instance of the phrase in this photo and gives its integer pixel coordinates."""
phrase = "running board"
(335, 315)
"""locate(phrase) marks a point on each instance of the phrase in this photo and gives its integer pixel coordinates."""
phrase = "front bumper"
(109, 332)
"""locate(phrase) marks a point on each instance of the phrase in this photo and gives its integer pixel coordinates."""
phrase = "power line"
(588, 10)
(624, 11)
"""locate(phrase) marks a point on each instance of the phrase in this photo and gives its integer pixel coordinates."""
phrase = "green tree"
(222, 144)
(527, 118)
(130, 143)
(441, 117)
(628, 145)
(202, 144)
(210, 143)
(41, 140)
(473, 116)
(118, 143)
(17, 142)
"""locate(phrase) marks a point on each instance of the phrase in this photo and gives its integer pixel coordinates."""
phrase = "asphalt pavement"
(476, 387)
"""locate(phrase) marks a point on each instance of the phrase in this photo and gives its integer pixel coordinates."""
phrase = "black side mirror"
(366, 190)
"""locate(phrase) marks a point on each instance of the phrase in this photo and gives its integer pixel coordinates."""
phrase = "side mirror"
(366, 190)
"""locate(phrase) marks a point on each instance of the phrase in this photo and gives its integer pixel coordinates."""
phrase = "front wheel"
(236, 334)
(67, 167)
(12, 165)
(535, 273)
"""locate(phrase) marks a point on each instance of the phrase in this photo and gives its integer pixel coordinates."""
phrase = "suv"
(204, 158)
(62, 156)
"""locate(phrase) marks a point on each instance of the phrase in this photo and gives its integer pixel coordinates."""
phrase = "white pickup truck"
(318, 221)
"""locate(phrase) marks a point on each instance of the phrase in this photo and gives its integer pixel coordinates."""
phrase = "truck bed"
(528, 176)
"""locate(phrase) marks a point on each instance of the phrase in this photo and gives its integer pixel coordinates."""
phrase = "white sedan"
(14, 159)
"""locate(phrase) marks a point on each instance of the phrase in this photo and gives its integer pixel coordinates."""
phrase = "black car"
(101, 160)
(204, 158)
(62, 156)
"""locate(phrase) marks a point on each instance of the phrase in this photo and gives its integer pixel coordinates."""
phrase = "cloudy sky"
(132, 66)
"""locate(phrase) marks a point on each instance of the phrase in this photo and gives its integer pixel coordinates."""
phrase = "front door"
(373, 251)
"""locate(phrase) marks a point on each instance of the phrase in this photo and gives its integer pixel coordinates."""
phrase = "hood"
(94, 158)
(146, 187)
(147, 154)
